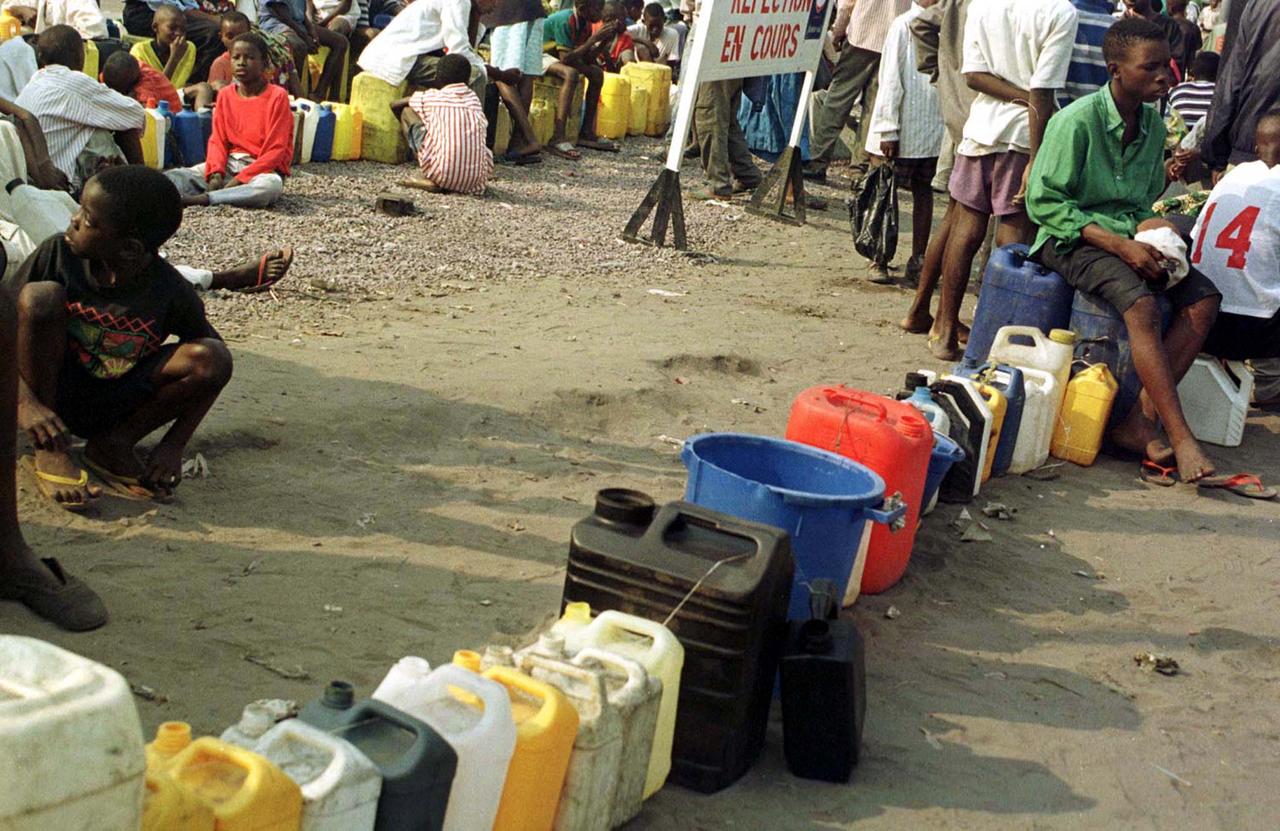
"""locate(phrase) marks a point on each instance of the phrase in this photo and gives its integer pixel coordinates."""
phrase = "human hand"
(164, 468)
(1144, 259)
(215, 181)
(43, 425)
(48, 177)
(889, 149)
(514, 76)
(1217, 176)
(178, 46)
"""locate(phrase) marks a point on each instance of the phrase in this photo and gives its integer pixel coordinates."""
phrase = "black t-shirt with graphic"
(109, 331)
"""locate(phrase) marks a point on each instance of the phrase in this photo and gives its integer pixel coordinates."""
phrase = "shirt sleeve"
(925, 29)
(886, 118)
(1055, 51)
(844, 11)
(1055, 180)
(973, 60)
(277, 149)
(454, 17)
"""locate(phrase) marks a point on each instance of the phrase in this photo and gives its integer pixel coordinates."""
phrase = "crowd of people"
(1061, 122)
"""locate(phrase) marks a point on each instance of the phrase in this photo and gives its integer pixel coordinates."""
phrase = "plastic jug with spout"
(934, 414)
(998, 405)
(824, 692)
(657, 650)
(72, 745)
(153, 137)
(322, 144)
(402, 679)
(1028, 347)
(172, 737)
(1016, 290)
(310, 121)
(170, 146)
(329, 711)
(1039, 413)
(245, 791)
(546, 726)
(635, 695)
(474, 716)
(1215, 398)
(586, 800)
(966, 477)
(190, 136)
(416, 762)
(955, 486)
(256, 719)
(1082, 423)
(340, 786)
(299, 120)
(343, 131)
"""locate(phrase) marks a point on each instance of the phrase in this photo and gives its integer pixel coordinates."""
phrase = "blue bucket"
(821, 499)
(945, 453)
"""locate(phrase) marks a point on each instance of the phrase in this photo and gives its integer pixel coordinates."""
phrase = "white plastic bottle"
(72, 756)
(635, 695)
(586, 801)
(310, 120)
(340, 786)
(256, 719)
(1039, 415)
(483, 737)
(658, 651)
(407, 673)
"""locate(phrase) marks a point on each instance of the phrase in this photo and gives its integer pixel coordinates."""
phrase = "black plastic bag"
(873, 215)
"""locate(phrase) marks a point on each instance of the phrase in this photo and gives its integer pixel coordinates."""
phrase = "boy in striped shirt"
(1192, 98)
(446, 128)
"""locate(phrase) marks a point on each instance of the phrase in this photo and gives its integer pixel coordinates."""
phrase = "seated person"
(341, 16)
(1191, 99)
(82, 15)
(95, 309)
(515, 55)
(39, 583)
(1236, 244)
(634, 10)
(410, 48)
(252, 142)
(170, 53)
(140, 81)
(578, 50)
(295, 20)
(282, 72)
(202, 26)
(374, 14)
(655, 41)
(23, 152)
(1091, 188)
(86, 125)
(446, 128)
(620, 49)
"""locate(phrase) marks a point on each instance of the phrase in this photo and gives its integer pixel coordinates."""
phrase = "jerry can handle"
(892, 512)
(663, 520)
(822, 600)
(841, 397)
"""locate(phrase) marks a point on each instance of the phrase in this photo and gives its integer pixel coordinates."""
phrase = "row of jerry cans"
(173, 139)
(325, 132)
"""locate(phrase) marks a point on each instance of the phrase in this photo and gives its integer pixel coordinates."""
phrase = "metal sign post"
(738, 39)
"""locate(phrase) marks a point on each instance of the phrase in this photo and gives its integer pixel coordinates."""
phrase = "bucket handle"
(892, 512)
(841, 397)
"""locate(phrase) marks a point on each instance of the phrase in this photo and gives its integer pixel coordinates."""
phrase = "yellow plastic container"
(546, 726)
(346, 132)
(547, 88)
(172, 737)
(639, 115)
(245, 791)
(656, 79)
(543, 116)
(168, 806)
(1082, 423)
(91, 59)
(998, 405)
(381, 139)
(315, 66)
(614, 113)
(502, 133)
(10, 26)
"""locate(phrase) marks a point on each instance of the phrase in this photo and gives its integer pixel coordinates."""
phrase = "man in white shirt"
(82, 15)
(1236, 244)
(858, 31)
(85, 124)
(417, 38)
(1016, 55)
(655, 40)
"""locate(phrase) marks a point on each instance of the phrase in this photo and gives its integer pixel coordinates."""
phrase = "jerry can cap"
(625, 506)
(1065, 336)
(339, 695)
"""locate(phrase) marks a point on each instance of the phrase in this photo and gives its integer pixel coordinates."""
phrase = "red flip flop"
(1154, 474)
(1241, 484)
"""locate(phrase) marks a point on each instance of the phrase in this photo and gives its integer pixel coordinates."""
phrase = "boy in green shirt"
(1091, 188)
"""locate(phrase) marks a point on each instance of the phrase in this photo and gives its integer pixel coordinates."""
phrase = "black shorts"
(1241, 338)
(91, 406)
(1094, 271)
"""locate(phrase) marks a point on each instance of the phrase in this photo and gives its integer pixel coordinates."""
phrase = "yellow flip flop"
(126, 487)
(45, 481)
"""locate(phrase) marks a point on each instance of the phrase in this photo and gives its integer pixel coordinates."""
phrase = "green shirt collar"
(1114, 121)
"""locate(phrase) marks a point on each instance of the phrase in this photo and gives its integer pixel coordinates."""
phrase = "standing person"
(858, 31)
(1016, 89)
(1191, 40)
(1192, 98)
(1088, 70)
(295, 20)
(415, 40)
(1146, 10)
(515, 45)
(1100, 168)
(1208, 20)
(202, 26)
(906, 132)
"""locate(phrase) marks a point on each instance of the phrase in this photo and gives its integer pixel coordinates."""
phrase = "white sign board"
(746, 38)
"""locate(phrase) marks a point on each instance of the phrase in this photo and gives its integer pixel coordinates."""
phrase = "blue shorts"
(518, 46)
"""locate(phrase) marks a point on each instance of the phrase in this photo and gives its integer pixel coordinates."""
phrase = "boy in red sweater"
(252, 142)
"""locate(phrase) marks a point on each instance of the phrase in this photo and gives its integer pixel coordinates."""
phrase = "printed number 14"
(1234, 237)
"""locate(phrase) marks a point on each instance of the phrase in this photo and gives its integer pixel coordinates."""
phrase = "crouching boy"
(96, 306)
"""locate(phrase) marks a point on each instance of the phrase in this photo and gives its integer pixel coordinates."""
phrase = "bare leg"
(246, 275)
(187, 384)
(595, 81)
(921, 218)
(918, 320)
(569, 83)
(200, 95)
(528, 144)
(42, 343)
(330, 83)
(968, 229)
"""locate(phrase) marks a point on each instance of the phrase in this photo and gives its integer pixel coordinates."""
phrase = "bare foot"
(255, 274)
(1193, 464)
(917, 323)
(421, 183)
(1139, 434)
(944, 350)
(59, 463)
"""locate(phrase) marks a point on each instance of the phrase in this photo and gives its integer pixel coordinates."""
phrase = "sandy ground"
(421, 413)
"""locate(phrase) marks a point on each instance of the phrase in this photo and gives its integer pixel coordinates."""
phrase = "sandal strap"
(79, 481)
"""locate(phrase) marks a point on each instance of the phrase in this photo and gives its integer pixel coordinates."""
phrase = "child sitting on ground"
(140, 81)
(446, 128)
(252, 141)
(96, 306)
(232, 25)
(171, 53)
